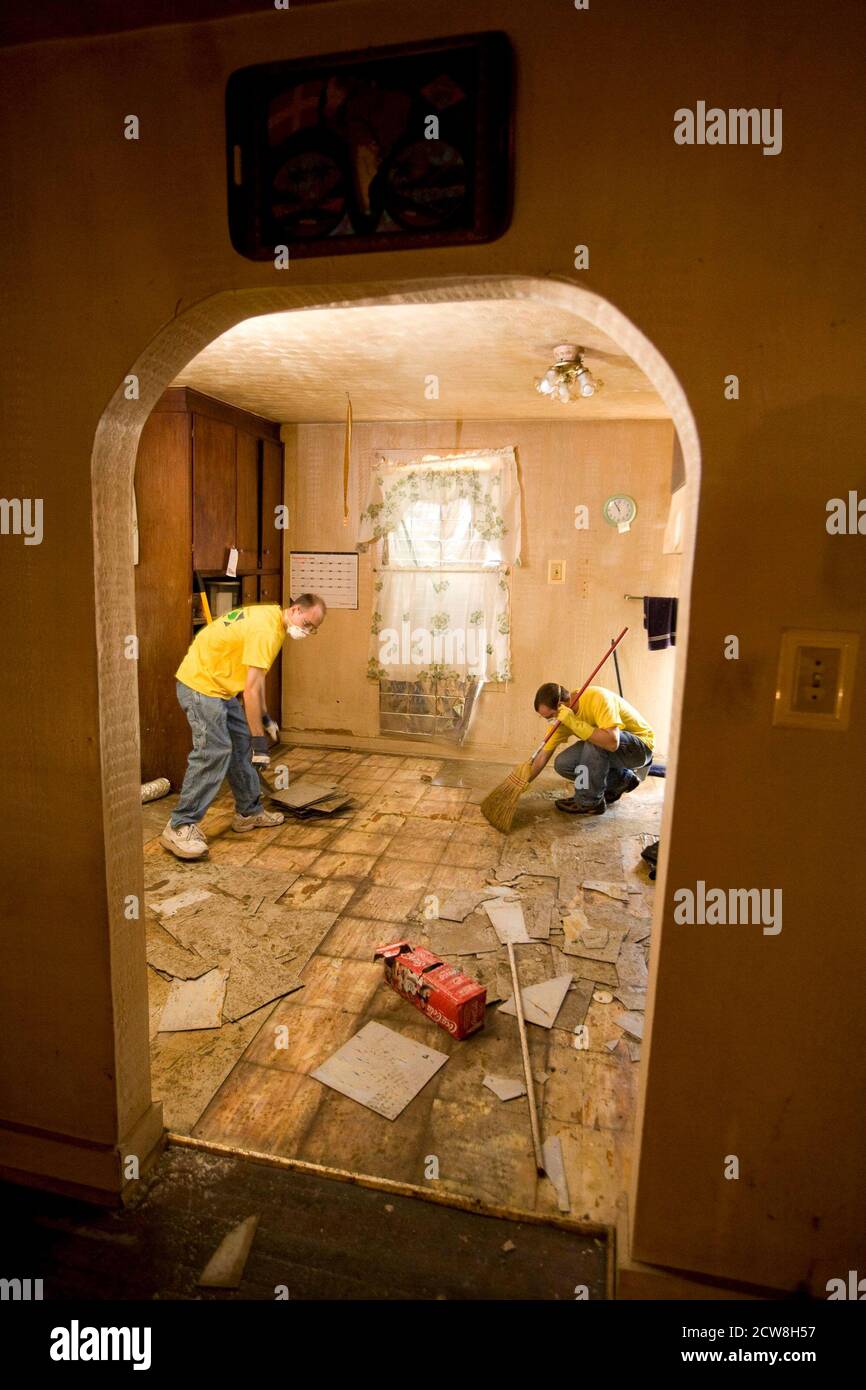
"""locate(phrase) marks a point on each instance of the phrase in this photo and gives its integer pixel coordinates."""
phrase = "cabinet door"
(249, 589)
(247, 530)
(214, 492)
(270, 591)
(163, 590)
(272, 496)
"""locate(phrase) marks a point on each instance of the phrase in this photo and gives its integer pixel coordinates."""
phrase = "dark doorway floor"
(317, 1237)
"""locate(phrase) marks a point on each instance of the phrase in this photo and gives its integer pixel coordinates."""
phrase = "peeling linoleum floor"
(414, 829)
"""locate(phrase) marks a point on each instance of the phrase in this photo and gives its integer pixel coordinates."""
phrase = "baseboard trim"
(71, 1166)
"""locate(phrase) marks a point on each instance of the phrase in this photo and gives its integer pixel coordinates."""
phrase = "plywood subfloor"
(415, 830)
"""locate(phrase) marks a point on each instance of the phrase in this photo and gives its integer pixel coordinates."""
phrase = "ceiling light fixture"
(569, 379)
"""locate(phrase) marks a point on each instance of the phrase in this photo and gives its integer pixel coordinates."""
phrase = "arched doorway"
(113, 465)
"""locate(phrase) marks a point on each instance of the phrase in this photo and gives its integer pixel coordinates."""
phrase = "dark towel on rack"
(660, 621)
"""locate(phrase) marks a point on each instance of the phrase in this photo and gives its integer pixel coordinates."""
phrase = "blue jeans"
(602, 771)
(221, 747)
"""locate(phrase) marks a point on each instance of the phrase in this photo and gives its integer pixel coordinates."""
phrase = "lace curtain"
(449, 527)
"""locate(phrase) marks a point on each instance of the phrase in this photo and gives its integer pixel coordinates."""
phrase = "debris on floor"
(465, 938)
(538, 911)
(380, 1069)
(258, 953)
(508, 921)
(173, 961)
(504, 1087)
(575, 1006)
(169, 907)
(597, 943)
(328, 806)
(573, 905)
(195, 1003)
(437, 989)
(542, 1002)
(630, 998)
(554, 1167)
(631, 1023)
(611, 890)
(301, 794)
(225, 1268)
(460, 903)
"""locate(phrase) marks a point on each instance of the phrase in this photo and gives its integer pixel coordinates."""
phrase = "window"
(449, 529)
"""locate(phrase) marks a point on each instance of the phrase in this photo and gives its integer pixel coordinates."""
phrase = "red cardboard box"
(444, 994)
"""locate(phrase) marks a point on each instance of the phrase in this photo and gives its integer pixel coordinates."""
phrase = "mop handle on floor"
(572, 703)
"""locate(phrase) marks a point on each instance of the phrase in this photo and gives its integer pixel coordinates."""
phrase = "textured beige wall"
(558, 632)
(729, 262)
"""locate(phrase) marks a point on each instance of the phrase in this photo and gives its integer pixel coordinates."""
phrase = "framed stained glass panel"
(387, 149)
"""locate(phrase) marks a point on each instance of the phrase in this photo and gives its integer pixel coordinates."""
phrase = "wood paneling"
(247, 529)
(197, 488)
(214, 491)
(270, 591)
(558, 631)
(163, 590)
(272, 496)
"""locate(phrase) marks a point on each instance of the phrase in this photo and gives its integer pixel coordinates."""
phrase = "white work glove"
(261, 751)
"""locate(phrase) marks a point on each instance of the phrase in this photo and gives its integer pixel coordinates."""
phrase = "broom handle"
(527, 1068)
(573, 701)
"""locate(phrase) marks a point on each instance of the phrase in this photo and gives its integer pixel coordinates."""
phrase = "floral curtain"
(449, 529)
(477, 497)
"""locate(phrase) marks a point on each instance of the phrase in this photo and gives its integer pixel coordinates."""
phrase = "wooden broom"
(499, 807)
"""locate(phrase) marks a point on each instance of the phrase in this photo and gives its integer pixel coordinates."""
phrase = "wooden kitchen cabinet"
(247, 506)
(271, 591)
(272, 497)
(214, 491)
(204, 472)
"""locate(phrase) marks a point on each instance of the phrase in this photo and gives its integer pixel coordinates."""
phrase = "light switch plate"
(815, 680)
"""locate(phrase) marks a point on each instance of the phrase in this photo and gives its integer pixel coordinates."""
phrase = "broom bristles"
(500, 805)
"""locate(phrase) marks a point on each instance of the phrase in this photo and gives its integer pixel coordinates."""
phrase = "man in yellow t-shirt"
(613, 751)
(230, 657)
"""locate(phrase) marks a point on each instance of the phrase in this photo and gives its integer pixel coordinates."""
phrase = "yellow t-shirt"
(216, 663)
(598, 708)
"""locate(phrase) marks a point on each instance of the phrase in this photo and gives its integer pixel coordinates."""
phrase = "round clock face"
(619, 510)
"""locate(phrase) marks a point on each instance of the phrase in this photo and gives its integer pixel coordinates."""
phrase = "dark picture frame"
(339, 154)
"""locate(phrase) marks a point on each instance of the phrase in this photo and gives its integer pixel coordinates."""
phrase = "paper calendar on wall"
(333, 574)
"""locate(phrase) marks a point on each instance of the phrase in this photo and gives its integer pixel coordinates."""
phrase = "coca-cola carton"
(440, 991)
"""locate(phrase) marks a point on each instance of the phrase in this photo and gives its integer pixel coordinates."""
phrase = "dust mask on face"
(296, 633)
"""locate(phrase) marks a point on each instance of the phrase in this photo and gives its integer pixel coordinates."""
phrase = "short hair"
(550, 695)
(306, 601)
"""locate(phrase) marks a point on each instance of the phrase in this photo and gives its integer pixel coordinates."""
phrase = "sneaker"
(629, 784)
(263, 819)
(573, 808)
(184, 841)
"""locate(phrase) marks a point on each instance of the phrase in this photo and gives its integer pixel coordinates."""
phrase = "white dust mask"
(296, 633)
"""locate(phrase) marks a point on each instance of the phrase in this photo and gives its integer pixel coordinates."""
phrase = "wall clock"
(620, 511)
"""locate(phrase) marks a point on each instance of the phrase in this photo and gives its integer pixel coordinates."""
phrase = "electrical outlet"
(556, 571)
(816, 673)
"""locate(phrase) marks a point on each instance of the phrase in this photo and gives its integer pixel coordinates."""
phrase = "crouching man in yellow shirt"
(233, 654)
(612, 754)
